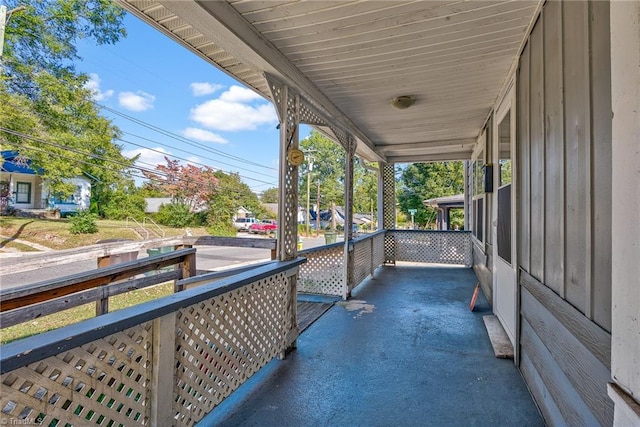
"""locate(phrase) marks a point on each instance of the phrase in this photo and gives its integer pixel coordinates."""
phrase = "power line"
(130, 170)
(179, 137)
(165, 154)
(180, 158)
(95, 156)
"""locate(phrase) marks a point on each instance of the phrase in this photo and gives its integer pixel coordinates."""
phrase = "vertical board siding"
(536, 152)
(601, 160)
(523, 170)
(576, 127)
(564, 212)
(554, 150)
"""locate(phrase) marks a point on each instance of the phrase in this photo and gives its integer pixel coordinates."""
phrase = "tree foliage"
(422, 181)
(187, 185)
(328, 170)
(365, 188)
(232, 195)
(270, 195)
(46, 112)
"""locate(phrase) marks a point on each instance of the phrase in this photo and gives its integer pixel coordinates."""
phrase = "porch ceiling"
(351, 58)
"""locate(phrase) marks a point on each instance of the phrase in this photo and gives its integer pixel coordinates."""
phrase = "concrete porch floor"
(404, 351)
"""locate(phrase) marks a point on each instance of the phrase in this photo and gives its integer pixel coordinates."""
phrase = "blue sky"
(166, 100)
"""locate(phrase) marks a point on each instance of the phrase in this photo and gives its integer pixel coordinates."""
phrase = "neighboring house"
(444, 205)
(22, 189)
(243, 213)
(153, 203)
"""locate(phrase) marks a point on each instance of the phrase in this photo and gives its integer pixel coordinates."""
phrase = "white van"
(243, 224)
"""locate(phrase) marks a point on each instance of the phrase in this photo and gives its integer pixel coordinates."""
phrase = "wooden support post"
(102, 305)
(162, 379)
(373, 267)
(274, 253)
(291, 339)
(188, 270)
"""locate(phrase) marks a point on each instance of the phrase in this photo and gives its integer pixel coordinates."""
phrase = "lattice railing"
(165, 362)
(323, 273)
(441, 247)
(103, 382)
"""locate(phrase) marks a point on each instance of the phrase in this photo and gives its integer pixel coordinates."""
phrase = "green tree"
(231, 195)
(270, 195)
(46, 112)
(328, 169)
(365, 189)
(120, 201)
(422, 181)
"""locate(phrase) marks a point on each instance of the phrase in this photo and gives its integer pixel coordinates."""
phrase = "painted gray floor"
(409, 354)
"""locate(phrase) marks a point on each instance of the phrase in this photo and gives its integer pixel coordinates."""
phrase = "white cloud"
(139, 101)
(234, 111)
(94, 86)
(204, 88)
(239, 94)
(203, 135)
(148, 159)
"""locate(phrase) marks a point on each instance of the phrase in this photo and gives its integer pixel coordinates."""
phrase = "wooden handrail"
(42, 291)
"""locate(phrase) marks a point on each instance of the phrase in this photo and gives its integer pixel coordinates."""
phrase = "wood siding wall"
(564, 212)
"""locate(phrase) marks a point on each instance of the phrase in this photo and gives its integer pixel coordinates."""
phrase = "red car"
(266, 226)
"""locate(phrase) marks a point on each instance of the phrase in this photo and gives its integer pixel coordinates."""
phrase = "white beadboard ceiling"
(351, 58)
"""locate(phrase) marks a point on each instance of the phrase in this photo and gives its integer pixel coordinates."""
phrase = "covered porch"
(405, 350)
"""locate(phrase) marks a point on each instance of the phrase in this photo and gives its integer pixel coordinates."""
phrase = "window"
(74, 198)
(23, 192)
(477, 183)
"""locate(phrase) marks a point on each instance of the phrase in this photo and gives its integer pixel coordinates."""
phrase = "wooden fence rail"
(28, 261)
(27, 302)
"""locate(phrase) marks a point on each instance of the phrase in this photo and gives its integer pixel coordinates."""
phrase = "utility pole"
(318, 210)
(307, 217)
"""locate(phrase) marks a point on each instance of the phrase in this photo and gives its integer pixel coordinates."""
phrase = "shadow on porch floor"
(405, 351)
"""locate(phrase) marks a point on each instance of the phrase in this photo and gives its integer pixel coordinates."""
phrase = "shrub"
(175, 215)
(84, 222)
(222, 229)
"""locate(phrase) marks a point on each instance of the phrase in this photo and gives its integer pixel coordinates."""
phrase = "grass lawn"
(54, 233)
(83, 312)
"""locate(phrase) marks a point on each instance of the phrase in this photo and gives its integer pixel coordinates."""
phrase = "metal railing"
(139, 226)
(160, 231)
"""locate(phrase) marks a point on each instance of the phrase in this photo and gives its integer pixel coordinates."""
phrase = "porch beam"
(458, 144)
(418, 158)
(232, 33)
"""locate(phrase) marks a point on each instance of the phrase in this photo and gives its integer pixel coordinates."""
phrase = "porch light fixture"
(403, 102)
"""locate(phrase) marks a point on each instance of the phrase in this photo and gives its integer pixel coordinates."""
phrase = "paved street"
(207, 258)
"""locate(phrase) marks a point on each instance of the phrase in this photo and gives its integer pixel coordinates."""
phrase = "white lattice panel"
(224, 341)
(323, 273)
(442, 247)
(105, 383)
(388, 196)
(378, 250)
(309, 116)
(362, 262)
(389, 248)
